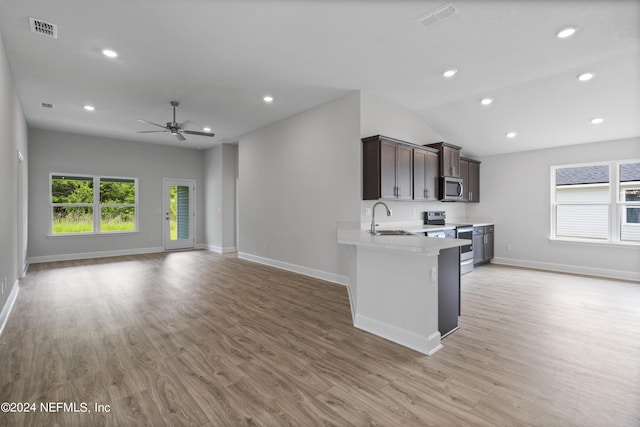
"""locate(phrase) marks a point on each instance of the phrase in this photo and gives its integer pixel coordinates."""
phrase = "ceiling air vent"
(46, 105)
(45, 28)
(437, 15)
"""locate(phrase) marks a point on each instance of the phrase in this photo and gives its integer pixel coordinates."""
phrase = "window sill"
(594, 243)
(111, 233)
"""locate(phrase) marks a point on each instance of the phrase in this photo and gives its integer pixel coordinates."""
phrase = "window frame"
(622, 204)
(96, 205)
(616, 206)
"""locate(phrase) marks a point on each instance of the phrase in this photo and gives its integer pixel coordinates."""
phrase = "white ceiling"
(219, 58)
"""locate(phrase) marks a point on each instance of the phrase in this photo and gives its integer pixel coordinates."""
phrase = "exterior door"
(179, 214)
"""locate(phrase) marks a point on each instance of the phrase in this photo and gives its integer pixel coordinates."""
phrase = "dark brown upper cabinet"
(470, 174)
(426, 174)
(449, 158)
(387, 166)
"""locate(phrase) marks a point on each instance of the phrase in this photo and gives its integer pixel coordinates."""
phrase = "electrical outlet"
(367, 211)
(507, 247)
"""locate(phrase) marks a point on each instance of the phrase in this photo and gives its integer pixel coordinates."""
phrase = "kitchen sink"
(393, 233)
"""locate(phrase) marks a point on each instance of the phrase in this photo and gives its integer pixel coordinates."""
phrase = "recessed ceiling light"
(566, 32)
(486, 101)
(450, 73)
(585, 77)
(207, 129)
(89, 107)
(510, 134)
(268, 99)
(597, 120)
(110, 53)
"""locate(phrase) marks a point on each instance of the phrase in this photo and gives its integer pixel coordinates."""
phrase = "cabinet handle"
(470, 195)
(398, 195)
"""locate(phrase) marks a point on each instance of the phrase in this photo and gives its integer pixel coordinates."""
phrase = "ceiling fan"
(174, 127)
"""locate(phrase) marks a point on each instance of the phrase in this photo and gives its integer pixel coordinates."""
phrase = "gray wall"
(221, 173)
(298, 178)
(13, 191)
(71, 153)
(515, 190)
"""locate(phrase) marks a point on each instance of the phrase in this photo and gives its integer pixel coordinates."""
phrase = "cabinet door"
(450, 161)
(473, 186)
(478, 245)
(419, 174)
(432, 178)
(464, 174)
(404, 172)
(488, 244)
(387, 170)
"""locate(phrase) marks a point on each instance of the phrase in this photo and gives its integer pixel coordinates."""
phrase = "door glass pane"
(179, 215)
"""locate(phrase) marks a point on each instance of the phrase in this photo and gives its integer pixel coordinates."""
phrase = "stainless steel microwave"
(451, 189)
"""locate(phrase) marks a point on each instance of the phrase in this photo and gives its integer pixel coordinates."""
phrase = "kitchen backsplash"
(402, 212)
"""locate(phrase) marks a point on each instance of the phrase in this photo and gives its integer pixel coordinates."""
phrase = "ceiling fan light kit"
(174, 128)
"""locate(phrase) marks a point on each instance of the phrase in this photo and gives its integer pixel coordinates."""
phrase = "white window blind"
(582, 198)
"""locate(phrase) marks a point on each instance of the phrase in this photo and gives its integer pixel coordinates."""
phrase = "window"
(629, 197)
(596, 202)
(92, 204)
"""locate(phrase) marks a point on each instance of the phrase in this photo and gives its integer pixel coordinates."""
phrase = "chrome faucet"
(373, 215)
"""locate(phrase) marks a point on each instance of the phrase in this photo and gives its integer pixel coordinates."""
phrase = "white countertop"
(415, 244)
(419, 227)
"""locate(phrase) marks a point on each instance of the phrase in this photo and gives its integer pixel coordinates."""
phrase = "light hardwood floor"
(198, 338)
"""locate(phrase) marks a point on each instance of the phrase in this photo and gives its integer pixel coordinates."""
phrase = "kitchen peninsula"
(393, 286)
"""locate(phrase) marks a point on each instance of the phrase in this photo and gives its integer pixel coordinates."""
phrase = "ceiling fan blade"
(192, 132)
(152, 131)
(180, 137)
(151, 123)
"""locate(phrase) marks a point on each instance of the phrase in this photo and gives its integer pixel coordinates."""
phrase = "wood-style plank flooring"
(202, 339)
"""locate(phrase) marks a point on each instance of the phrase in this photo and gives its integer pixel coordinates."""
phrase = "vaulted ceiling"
(219, 58)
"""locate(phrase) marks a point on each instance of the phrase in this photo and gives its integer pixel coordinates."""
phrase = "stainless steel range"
(463, 231)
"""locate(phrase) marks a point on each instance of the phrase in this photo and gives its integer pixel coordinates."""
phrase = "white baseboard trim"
(352, 302)
(89, 255)
(220, 249)
(25, 269)
(425, 345)
(8, 305)
(568, 268)
(306, 271)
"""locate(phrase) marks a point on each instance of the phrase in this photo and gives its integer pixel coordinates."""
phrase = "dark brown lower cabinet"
(483, 244)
